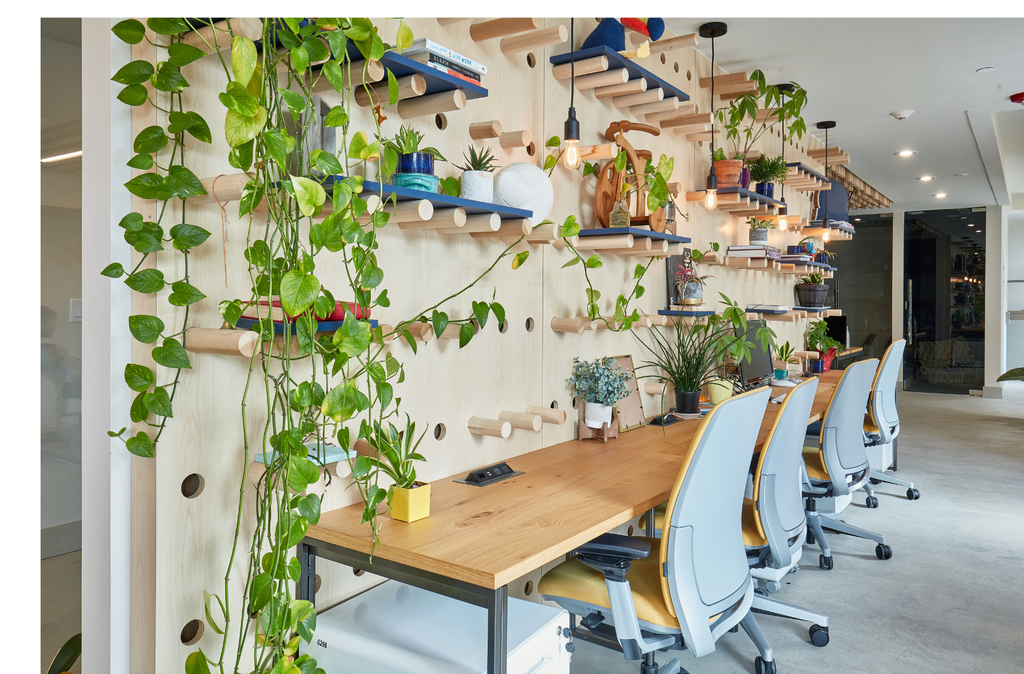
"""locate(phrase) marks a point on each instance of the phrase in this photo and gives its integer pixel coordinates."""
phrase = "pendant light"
(783, 212)
(824, 217)
(712, 30)
(572, 125)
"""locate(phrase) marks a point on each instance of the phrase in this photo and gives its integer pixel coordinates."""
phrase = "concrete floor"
(61, 604)
(951, 599)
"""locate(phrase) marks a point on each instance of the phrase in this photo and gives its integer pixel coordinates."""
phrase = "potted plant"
(766, 171)
(477, 175)
(958, 319)
(727, 170)
(759, 230)
(818, 340)
(811, 291)
(600, 385)
(689, 284)
(408, 499)
(692, 358)
(824, 256)
(415, 165)
(785, 354)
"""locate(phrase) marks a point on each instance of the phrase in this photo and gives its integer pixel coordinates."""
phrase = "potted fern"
(478, 175)
(600, 385)
(811, 291)
(759, 230)
(767, 171)
(395, 455)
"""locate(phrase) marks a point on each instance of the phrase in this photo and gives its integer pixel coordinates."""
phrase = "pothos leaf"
(519, 259)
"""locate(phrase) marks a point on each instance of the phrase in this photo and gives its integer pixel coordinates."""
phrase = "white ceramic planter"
(478, 186)
(595, 415)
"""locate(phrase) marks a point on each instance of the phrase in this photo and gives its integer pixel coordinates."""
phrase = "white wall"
(1015, 289)
(996, 248)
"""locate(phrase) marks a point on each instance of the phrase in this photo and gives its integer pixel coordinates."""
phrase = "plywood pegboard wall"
(181, 545)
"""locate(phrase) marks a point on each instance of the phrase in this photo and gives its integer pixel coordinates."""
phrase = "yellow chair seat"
(815, 465)
(869, 426)
(576, 580)
(752, 538)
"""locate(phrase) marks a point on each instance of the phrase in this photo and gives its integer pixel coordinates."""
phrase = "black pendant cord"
(784, 145)
(824, 216)
(712, 99)
(572, 63)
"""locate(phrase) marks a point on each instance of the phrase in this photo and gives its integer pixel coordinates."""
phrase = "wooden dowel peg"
(384, 330)
(480, 222)
(547, 414)
(447, 21)
(431, 105)
(682, 111)
(656, 388)
(509, 229)
(223, 342)
(698, 119)
(543, 234)
(568, 325)
(731, 78)
(685, 130)
(631, 87)
(563, 71)
(485, 130)
(588, 323)
(414, 210)
(595, 152)
(606, 78)
(363, 72)
(492, 427)
(703, 135)
(681, 42)
(222, 188)
(526, 422)
(655, 106)
(409, 86)
(605, 242)
(675, 188)
(453, 329)
(644, 322)
(487, 30)
(536, 39)
(445, 217)
(421, 332)
(648, 96)
(603, 325)
(660, 320)
(513, 139)
(559, 242)
(640, 245)
(201, 37)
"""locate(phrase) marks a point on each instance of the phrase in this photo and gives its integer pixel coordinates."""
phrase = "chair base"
(818, 523)
(769, 606)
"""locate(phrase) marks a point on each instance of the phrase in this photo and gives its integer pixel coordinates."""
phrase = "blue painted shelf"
(439, 200)
(754, 196)
(678, 312)
(321, 326)
(617, 60)
(636, 232)
(804, 168)
(437, 81)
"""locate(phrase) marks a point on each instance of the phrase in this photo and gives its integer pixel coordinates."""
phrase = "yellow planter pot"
(720, 389)
(409, 505)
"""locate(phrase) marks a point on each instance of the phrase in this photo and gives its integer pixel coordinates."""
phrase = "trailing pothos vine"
(318, 388)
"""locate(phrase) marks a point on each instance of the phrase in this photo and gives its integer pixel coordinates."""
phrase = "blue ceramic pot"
(817, 365)
(766, 190)
(416, 162)
(745, 178)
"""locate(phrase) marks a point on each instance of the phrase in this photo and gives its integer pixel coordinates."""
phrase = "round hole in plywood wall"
(531, 60)
(675, 66)
(503, 327)
(689, 76)
(531, 149)
(316, 582)
(629, 531)
(700, 143)
(575, 402)
(439, 431)
(528, 590)
(192, 632)
(664, 60)
(357, 572)
(529, 324)
(441, 121)
(192, 485)
(554, 404)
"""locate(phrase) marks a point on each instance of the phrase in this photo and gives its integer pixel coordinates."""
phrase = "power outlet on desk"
(481, 477)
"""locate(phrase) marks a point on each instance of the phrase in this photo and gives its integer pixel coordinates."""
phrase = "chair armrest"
(612, 554)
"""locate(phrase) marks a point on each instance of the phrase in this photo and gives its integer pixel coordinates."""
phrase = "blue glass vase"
(416, 162)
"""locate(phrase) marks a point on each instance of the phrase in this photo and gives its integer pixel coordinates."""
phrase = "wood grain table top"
(568, 494)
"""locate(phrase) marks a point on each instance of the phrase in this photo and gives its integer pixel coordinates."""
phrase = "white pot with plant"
(600, 384)
(759, 230)
(478, 175)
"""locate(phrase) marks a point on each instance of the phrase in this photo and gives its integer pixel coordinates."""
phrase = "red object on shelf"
(340, 309)
(827, 357)
(1018, 98)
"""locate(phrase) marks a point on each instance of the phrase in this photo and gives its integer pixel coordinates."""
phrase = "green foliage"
(396, 454)
(1016, 374)
(757, 223)
(813, 278)
(785, 352)
(600, 381)
(69, 653)
(817, 337)
(766, 169)
(482, 161)
(739, 119)
(407, 141)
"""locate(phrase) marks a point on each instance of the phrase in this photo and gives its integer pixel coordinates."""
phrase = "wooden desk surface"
(569, 494)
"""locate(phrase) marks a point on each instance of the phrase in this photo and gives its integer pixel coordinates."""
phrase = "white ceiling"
(857, 71)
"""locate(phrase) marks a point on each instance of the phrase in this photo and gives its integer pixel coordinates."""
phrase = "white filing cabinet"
(399, 629)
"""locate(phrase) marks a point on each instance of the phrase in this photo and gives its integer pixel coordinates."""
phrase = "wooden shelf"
(321, 326)
(440, 201)
(839, 231)
(805, 179)
(636, 232)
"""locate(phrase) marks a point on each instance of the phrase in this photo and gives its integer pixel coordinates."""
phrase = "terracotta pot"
(728, 172)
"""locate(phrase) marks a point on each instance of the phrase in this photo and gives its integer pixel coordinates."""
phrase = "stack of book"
(797, 259)
(768, 308)
(754, 251)
(444, 60)
(835, 224)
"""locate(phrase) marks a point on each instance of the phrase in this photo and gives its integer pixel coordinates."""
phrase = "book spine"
(452, 65)
(454, 73)
(434, 48)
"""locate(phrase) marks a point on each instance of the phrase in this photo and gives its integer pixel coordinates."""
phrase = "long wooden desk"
(479, 539)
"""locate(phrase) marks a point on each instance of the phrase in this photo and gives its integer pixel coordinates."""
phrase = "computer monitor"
(837, 328)
(759, 365)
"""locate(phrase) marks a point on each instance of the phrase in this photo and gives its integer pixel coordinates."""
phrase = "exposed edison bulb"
(572, 154)
(710, 199)
(782, 223)
(824, 235)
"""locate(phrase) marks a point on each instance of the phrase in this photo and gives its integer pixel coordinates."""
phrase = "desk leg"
(650, 529)
(307, 573)
(497, 631)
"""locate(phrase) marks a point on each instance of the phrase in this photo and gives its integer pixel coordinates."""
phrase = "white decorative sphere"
(524, 186)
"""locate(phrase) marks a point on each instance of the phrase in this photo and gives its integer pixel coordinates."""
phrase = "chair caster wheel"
(826, 562)
(773, 586)
(819, 635)
(871, 501)
(913, 494)
(875, 481)
(883, 551)
(761, 591)
(762, 667)
(796, 567)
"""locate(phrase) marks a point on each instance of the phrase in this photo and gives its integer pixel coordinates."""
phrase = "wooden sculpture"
(610, 181)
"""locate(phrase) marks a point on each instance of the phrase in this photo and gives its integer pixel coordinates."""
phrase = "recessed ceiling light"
(926, 178)
(985, 69)
(977, 231)
(906, 153)
(940, 195)
(856, 219)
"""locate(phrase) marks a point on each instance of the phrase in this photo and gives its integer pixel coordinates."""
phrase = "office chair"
(882, 424)
(774, 525)
(836, 462)
(699, 586)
